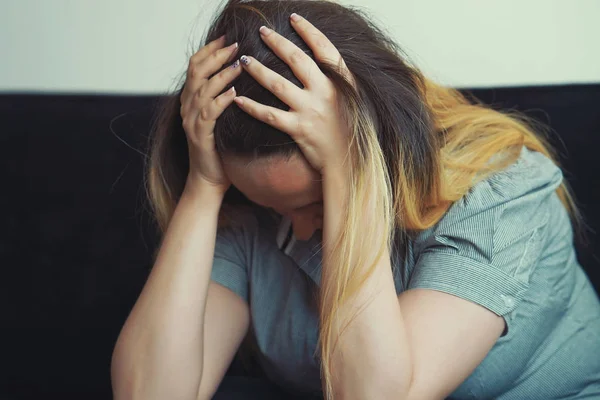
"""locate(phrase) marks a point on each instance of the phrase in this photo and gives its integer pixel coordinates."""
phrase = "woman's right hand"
(201, 105)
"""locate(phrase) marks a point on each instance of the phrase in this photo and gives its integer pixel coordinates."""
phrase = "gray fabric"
(507, 246)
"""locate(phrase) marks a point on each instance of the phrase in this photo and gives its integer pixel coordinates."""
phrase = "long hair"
(415, 147)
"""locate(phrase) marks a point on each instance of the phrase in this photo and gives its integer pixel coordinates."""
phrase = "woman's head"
(286, 184)
(388, 92)
(416, 147)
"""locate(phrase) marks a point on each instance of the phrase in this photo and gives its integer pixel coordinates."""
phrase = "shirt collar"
(306, 254)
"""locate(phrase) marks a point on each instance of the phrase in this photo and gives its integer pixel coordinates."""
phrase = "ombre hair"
(415, 148)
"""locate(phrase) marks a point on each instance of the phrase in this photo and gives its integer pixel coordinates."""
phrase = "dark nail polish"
(245, 60)
(235, 64)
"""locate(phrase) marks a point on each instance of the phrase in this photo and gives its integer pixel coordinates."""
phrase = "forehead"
(276, 181)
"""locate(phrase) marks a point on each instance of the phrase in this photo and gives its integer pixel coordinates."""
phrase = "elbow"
(392, 384)
(391, 389)
(381, 385)
(204, 394)
(130, 381)
(123, 376)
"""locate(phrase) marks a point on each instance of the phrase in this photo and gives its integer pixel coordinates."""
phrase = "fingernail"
(238, 101)
(232, 90)
(233, 46)
(245, 60)
(235, 64)
(295, 17)
(265, 31)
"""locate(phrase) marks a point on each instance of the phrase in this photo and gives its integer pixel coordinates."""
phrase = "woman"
(432, 248)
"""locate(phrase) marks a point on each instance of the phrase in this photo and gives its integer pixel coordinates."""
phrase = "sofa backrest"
(76, 238)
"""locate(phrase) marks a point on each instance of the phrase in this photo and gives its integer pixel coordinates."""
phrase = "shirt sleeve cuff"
(480, 283)
(230, 275)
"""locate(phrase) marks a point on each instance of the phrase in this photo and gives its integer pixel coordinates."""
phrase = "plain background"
(142, 46)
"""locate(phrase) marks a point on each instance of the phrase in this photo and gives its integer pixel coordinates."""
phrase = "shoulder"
(506, 205)
(531, 177)
(241, 237)
(240, 230)
(487, 245)
(245, 220)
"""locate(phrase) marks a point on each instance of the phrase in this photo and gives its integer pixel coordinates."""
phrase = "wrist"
(200, 191)
(336, 184)
(335, 202)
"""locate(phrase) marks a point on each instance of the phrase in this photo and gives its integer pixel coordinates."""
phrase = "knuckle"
(201, 90)
(321, 43)
(196, 100)
(329, 94)
(277, 87)
(318, 111)
(303, 128)
(188, 126)
(224, 74)
(220, 101)
(275, 39)
(270, 116)
(296, 57)
(205, 113)
(192, 71)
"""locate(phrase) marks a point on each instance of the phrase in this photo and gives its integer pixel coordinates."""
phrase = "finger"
(198, 73)
(203, 116)
(285, 90)
(215, 108)
(211, 63)
(285, 121)
(217, 83)
(321, 46)
(304, 67)
(200, 55)
(208, 49)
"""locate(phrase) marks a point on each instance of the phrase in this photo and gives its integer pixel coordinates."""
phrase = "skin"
(184, 329)
(289, 186)
(407, 346)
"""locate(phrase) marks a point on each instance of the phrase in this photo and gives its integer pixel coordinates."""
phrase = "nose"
(305, 226)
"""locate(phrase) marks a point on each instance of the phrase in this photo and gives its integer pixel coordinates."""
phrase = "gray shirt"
(507, 245)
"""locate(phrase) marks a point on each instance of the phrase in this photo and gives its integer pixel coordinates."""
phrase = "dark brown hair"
(415, 145)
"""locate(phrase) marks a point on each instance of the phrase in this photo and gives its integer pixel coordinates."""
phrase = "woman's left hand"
(314, 120)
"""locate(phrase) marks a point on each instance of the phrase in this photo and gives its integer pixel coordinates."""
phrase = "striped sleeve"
(488, 244)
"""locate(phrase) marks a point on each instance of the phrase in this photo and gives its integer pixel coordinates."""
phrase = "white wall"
(140, 46)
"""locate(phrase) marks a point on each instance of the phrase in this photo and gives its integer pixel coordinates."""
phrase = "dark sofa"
(76, 237)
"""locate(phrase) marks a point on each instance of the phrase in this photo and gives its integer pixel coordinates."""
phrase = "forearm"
(372, 358)
(159, 352)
